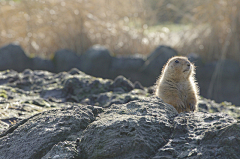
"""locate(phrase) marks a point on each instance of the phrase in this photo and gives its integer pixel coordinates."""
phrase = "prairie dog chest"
(182, 87)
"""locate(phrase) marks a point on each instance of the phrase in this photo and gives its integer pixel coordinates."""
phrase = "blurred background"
(208, 28)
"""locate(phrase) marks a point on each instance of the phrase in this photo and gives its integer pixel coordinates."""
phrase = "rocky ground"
(74, 115)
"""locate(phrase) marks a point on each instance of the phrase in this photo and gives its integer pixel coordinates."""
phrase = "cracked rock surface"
(74, 115)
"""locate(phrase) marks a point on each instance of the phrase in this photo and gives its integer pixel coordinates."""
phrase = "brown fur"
(177, 85)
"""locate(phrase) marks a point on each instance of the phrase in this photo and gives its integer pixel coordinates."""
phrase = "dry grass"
(216, 28)
(43, 27)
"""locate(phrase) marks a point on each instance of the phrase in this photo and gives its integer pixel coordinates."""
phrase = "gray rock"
(75, 71)
(207, 105)
(151, 129)
(202, 135)
(121, 124)
(38, 63)
(96, 91)
(196, 59)
(229, 69)
(157, 59)
(122, 82)
(30, 80)
(66, 149)
(128, 66)
(154, 64)
(97, 61)
(8, 76)
(133, 130)
(64, 60)
(220, 80)
(83, 85)
(138, 85)
(13, 57)
(126, 63)
(36, 137)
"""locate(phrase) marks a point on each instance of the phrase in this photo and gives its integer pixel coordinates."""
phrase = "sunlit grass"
(43, 27)
(216, 28)
(170, 27)
(209, 28)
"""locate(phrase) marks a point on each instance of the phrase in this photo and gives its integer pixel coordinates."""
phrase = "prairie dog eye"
(176, 61)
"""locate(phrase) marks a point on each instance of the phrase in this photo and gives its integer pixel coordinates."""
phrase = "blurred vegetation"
(42, 26)
(209, 28)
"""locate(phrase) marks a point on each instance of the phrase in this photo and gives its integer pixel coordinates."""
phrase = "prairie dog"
(177, 86)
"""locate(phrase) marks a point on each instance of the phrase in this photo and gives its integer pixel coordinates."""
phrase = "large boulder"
(35, 137)
(147, 128)
(65, 60)
(134, 63)
(155, 62)
(133, 130)
(128, 66)
(220, 80)
(202, 135)
(195, 59)
(157, 59)
(13, 57)
(97, 61)
(38, 63)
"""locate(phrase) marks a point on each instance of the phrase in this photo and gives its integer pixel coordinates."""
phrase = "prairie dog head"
(178, 67)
